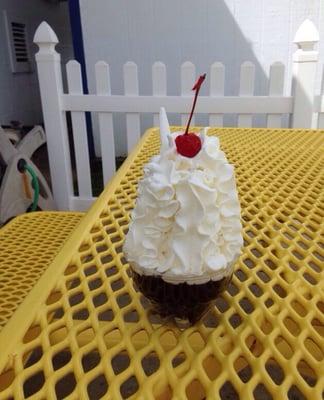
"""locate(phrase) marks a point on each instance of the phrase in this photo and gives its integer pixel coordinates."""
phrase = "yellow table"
(84, 332)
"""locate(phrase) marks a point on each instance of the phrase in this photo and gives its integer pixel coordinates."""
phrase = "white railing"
(302, 106)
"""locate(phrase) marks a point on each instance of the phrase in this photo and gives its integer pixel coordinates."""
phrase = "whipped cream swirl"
(186, 223)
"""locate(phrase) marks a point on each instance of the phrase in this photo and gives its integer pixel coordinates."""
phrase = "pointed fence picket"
(302, 106)
(159, 85)
(79, 129)
(106, 127)
(276, 86)
(246, 90)
(188, 77)
(133, 128)
(217, 85)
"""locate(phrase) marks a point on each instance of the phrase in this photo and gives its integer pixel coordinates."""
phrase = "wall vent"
(17, 39)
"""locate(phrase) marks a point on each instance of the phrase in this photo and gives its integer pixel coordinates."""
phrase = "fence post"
(304, 74)
(51, 90)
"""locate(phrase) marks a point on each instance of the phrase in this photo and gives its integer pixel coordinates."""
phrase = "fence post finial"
(45, 38)
(305, 61)
(307, 35)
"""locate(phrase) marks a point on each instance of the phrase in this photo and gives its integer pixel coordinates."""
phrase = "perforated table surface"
(84, 332)
(21, 262)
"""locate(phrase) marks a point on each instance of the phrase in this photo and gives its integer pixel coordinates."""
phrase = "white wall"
(174, 31)
(19, 93)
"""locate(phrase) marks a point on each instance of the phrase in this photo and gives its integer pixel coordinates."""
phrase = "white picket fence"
(303, 106)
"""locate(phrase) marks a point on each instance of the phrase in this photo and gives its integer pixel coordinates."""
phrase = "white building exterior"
(174, 31)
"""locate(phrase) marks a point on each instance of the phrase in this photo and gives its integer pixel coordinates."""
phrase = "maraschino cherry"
(189, 144)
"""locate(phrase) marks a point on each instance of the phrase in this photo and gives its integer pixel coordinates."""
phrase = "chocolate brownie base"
(183, 301)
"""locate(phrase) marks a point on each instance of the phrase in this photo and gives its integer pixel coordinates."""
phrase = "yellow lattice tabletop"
(21, 262)
(85, 332)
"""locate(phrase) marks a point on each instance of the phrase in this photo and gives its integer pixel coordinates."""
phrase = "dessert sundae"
(185, 233)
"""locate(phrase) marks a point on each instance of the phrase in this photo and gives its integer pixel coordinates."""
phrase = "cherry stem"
(196, 87)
